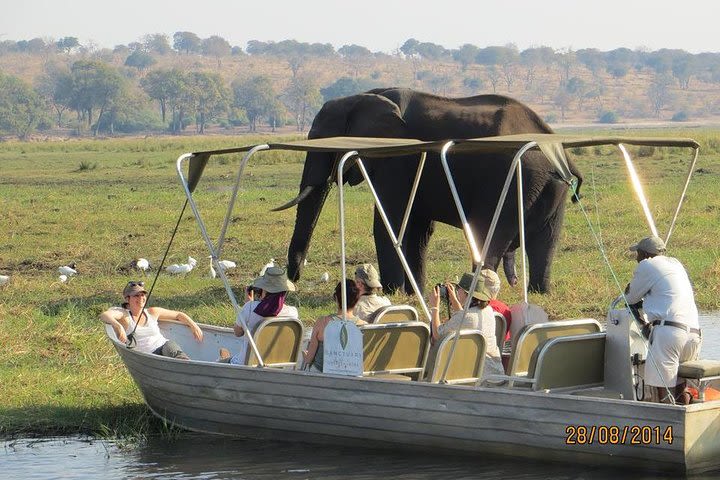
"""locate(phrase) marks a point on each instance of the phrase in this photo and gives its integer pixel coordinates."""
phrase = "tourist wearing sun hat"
(368, 283)
(479, 316)
(134, 321)
(273, 287)
(668, 301)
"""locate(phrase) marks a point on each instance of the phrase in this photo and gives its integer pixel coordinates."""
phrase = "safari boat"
(571, 393)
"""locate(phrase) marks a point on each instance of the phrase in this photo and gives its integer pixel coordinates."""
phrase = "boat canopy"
(551, 144)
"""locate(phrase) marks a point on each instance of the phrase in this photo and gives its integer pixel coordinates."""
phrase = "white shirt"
(483, 320)
(147, 336)
(367, 305)
(252, 320)
(664, 287)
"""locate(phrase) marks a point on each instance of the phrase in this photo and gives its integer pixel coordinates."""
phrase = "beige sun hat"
(274, 280)
(134, 288)
(367, 273)
(487, 287)
(652, 245)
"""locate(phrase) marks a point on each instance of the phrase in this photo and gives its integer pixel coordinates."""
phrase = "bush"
(646, 151)
(550, 118)
(680, 116)
(608, 117)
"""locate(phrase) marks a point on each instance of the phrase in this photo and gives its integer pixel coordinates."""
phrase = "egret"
(176, 268)
(325, 277)
(271, 263)
(68, 270)
(63, 278)
(141, 264)
(4, 279)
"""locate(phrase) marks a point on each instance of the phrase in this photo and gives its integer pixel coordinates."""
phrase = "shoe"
(225, 353)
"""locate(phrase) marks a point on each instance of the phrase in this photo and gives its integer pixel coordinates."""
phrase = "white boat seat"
(500, 330)
(467, 362)
(532, 335)
(395, 349)
(703, 371)
(569, 363)
(395, 314)
(278, 341)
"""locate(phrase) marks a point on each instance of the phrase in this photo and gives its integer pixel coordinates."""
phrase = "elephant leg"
(392, 274)
(415, 245)
(509, 267)
(541, 250)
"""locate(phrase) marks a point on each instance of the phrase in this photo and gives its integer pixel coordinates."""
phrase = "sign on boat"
(571, 393)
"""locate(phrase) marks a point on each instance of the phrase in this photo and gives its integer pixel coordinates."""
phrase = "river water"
(194, 456)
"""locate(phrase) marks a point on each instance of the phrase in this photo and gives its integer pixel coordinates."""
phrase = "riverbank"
(102, 203)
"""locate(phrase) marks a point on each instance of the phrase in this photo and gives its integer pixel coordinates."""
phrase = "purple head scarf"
(271, 305)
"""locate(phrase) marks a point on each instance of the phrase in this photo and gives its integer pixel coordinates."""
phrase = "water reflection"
(211, 457)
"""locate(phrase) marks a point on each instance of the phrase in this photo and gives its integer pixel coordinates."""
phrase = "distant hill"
(203, 84)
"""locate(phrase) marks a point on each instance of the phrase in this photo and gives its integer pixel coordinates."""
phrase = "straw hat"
(274, 280)
(487, 286)
(367, 273)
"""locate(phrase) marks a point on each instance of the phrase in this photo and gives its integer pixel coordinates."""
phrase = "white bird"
(68, 270)
(325, 277)
(226, 264)
(176, 268)
(271, 263)
(213, 274)
(63, 278)
(141, 264)
(4, 279)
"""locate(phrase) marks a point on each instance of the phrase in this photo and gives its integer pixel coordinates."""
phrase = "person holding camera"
(264, 298)
(478, 316)
(371, 299)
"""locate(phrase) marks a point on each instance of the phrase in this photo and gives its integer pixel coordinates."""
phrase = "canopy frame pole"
(233, 197)
(691, 168)
(341, 203)
(411, 199)
(515, 168)
(388, 227)
(637, 186)
(208, 242)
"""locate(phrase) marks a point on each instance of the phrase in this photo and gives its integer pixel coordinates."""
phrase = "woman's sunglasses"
(136, 284)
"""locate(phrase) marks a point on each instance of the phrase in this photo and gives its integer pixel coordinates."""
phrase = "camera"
(443, 292)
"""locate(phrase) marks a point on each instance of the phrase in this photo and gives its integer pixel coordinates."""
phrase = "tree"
(21, 109)
(56, 87)
(409, 48)
(66, 44)
(208, 96)
(95, 85)
(466, 55)
(165, 86)
(186, 42)
(140, 60)
(683, 68)
(157, 43)
(532, 58)
(659, 93)
(354, 51)
(256, 96)
(493, 75)
(217, 47)
(346, 86)
(303, 100)
(562, 100)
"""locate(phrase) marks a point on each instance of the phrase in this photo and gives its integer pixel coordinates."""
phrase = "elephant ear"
(373, 116)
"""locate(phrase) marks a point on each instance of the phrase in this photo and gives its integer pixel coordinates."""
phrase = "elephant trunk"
(314, 189)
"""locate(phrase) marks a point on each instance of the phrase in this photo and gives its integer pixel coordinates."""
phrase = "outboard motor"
(625, 352)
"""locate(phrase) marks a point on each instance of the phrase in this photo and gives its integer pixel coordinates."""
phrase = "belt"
(677, 325)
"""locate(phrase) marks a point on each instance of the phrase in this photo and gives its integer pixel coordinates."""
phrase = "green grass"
(60, 375)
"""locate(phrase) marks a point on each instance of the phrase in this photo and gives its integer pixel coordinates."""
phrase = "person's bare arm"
(165, 314)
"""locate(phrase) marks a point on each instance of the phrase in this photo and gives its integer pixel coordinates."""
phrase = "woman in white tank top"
(133, 318)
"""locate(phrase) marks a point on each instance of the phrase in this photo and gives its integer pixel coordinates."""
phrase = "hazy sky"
(380, 25)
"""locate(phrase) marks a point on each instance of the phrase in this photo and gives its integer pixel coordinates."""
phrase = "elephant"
(406, 113)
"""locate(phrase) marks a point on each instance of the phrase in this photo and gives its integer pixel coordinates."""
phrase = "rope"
(131, 342)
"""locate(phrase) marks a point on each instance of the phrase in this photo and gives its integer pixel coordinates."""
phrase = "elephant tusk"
(305, 192)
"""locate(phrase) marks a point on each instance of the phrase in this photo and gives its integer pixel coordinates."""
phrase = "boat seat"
(572, 362)
(278, 341)
(500, 330)
(395, 314)
(531, 336)
(392, 349)
(702, 371)
(467, 362)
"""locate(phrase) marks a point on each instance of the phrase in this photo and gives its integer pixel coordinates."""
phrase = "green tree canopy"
(21, 109)
(140, 60)
(186, 42)
(256, 97)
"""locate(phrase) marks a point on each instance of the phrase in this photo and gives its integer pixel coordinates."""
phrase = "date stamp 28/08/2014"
(618, 435)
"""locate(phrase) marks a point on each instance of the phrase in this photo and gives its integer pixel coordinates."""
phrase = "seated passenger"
(371, 299)
(479, 316)
(313, 357)
(271, 290)
(498, 306)
(141, 324)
